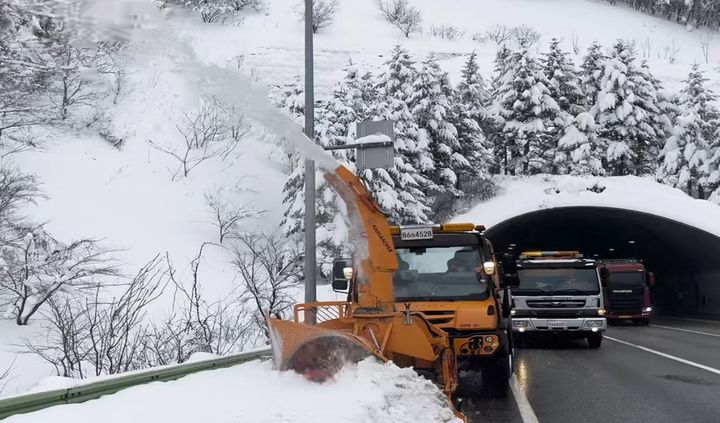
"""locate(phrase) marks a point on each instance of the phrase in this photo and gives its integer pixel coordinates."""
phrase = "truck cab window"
(439, 274)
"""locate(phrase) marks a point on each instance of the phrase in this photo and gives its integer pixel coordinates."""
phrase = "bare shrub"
(524, 36)
(16, 189)
(197, 325)
(269, 269)
(500, 34)
(447, 32)
(323, 13)
(213, 130)
(671, 52)
(7, 375)
(96, 336)
(240, 5)
(401, 14)
(706, 39)
(646, 48)
(575, 43)
(226, 216)
(37, 268)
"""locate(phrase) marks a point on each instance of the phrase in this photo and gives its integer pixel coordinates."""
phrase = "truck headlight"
(520, 324)
(601, 312)
(647, 309)
(513, 312)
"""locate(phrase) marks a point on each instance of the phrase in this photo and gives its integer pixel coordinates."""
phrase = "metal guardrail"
(32, 402)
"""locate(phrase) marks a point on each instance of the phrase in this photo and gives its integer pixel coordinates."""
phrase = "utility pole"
(310, 259)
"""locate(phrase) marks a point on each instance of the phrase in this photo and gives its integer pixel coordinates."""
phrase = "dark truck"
(627, 291)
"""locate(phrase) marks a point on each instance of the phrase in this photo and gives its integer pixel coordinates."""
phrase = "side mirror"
(342, 274)
(604, 276)
(651, 279)
(604, 273)
(510, 277)
(510, 281)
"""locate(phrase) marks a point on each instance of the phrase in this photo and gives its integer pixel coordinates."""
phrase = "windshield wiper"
(423, 299)
(572, 290)
(530, 290)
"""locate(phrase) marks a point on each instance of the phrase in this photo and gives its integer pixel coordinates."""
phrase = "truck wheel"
(518, 340)
(595, 340)
(496, 375)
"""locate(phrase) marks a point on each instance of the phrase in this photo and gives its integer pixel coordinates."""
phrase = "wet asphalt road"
(564, 381)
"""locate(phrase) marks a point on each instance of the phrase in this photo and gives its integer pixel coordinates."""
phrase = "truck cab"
(448, 273)
(627, 291)
(560, 293)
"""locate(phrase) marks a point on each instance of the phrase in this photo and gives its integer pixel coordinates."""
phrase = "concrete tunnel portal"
(685, 259)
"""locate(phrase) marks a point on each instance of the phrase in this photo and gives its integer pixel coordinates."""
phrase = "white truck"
(559, 293)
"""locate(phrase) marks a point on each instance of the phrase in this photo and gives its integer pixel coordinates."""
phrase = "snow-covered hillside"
(128, 197)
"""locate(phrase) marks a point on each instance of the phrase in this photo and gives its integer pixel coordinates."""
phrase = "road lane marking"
(662, 354)
(685, 330)
(687, 319)
(526, 412)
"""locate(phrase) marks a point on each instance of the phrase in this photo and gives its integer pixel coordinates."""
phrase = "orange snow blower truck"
(427, 297)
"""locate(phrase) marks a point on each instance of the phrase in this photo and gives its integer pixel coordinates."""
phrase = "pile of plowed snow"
(369, 392)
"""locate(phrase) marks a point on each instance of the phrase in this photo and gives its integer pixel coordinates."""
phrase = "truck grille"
(555, 304)
(556, 314)
(625, 303)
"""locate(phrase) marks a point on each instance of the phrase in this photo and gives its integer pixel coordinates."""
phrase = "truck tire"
(496, 375)
(594, 340)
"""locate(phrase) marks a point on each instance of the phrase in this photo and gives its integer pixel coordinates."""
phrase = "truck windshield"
(552, 281)
(627, 279)
(439, 274)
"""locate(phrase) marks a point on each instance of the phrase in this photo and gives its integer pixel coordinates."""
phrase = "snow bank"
(369, 392)
(524, 195)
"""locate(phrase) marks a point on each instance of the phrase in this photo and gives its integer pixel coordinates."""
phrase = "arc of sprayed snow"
(120, 20)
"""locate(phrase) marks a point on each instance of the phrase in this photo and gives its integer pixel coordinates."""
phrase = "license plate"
(557, 324)
(412, 234)
(625, 316)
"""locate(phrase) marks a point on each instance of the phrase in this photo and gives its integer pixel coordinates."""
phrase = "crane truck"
(428, 297)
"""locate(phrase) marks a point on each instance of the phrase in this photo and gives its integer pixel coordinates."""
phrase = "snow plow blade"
(312, 351)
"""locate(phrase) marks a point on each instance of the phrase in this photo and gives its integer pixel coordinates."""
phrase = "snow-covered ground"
(518, 196)
(369, 392)
(127, 199)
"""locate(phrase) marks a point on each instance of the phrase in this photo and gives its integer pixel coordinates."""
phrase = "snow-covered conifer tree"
(523, 100)
(430, 106)
(688, 152)
(469, 117)
(563, 78)
(627, 115)
(400, 190)
(591, 73)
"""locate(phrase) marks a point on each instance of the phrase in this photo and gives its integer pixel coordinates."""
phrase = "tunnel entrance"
(686, 260)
